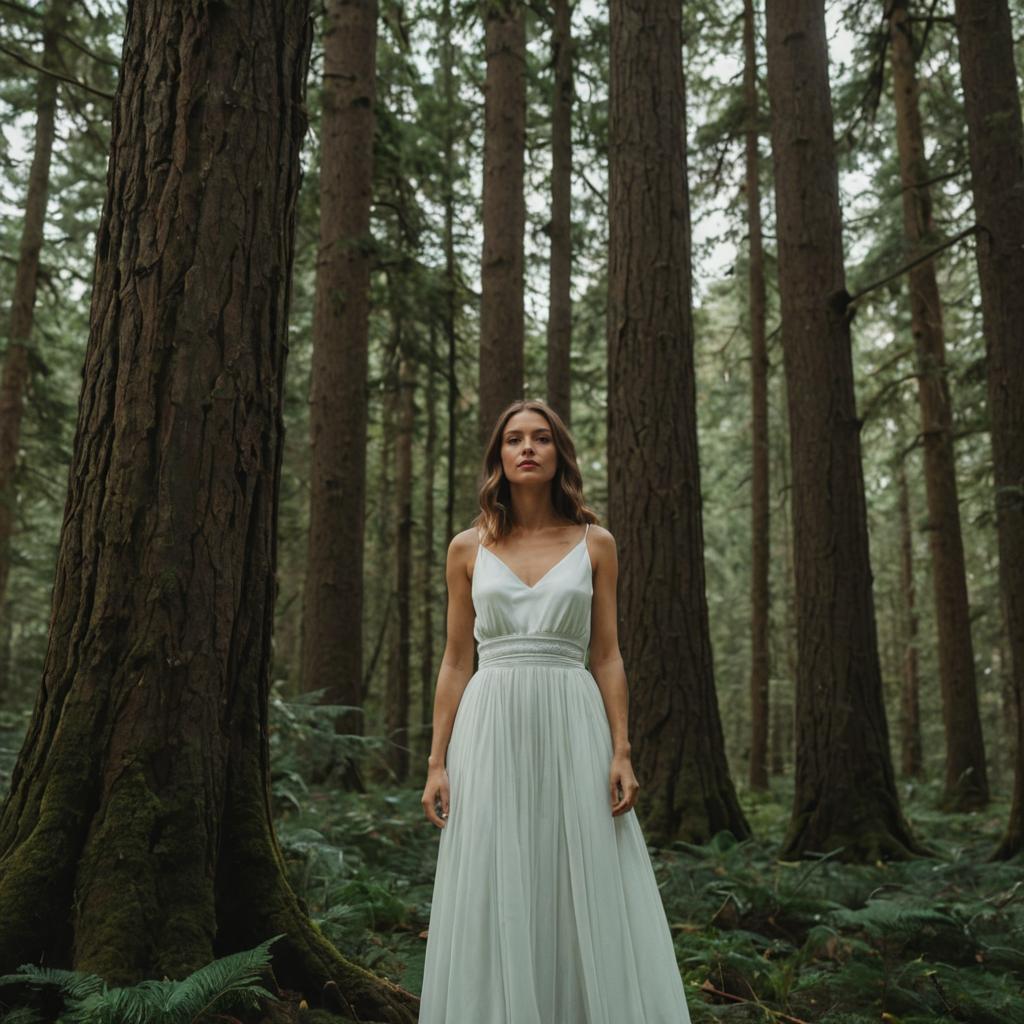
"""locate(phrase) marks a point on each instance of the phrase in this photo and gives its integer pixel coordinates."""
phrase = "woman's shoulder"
(465, 541)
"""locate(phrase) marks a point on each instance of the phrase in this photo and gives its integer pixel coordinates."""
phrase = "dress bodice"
(557, 605)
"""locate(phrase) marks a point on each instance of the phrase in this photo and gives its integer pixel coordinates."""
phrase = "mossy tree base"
(137, 839)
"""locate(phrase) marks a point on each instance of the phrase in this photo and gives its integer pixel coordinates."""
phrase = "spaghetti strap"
(586, 531)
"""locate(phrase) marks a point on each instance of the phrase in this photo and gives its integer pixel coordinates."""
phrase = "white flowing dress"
(545, 907)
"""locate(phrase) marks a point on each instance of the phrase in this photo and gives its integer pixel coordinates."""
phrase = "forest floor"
(757, 939)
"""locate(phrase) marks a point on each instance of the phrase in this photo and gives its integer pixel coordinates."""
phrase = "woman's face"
(528, 453)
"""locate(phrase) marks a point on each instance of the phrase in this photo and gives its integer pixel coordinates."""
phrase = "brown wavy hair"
(495, 517)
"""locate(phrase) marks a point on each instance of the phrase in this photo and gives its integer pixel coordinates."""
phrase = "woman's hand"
(436, 789)
(621, 777)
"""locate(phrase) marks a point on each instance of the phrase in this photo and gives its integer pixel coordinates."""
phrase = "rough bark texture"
(560, 276)
(14, 381)
(845, 793)
(332, 633)
(996, 145)
(654, 495)
(966, 785)
(504, 211)
(910, 685)
(759, 500)
(137, 838)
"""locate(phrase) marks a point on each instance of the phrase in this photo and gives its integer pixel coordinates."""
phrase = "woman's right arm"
(455, 672)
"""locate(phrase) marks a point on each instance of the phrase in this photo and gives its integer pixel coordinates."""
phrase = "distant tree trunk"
(451, 285)
(910, 712)
(504, 211)
(996, 145)
(397, 702)
(17, 358)
(966, 785)
(332, 633)
(560, 295)
(137, 838)
(782, 718)
(782, 732)
(654, 495)
(760, 669)
(428, 559)
(387, 531)
(1005, 712)
(845, 787)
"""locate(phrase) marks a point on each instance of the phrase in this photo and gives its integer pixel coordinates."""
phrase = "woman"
(545, 906)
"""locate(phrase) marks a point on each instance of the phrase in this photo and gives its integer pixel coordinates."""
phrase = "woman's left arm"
(606, 666)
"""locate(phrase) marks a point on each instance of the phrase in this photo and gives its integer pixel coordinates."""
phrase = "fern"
(140, 1004)
(230, 982)
(71, 984)
(232, 979)
(885, 916)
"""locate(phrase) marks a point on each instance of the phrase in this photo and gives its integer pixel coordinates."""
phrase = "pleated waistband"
(530, 647)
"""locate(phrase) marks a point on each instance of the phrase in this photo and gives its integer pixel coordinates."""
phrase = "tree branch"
(923, 258)
(21, 59)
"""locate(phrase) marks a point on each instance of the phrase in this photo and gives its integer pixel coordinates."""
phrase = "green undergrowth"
(757, 939)
(219, 991)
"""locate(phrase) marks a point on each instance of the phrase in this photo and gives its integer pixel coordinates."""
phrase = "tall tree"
(504, 211)
(17, 356)
(396, 705)
(910, 684)
(451, 284)
(845, 793)
(654, 495)
(760, 670)
(427, 560)
(996, 146)
(782, 717)
(332, 646)
(560, 229)
(136, 839)
(966, 784)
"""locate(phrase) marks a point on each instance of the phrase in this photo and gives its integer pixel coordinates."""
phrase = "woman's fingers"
(629, 790)
(436, 792)
(429, 801)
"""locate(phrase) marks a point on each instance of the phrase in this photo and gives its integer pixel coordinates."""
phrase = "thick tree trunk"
(14, 380)
(996, 145)
(845, 793)
(137, 837)
(332, 634)
(654, 495)
(966, 785)
(560, 277)
(504, 212)
(760, 669)
(910, 687)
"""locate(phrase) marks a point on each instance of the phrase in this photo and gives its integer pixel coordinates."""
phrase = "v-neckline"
(521, 581)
